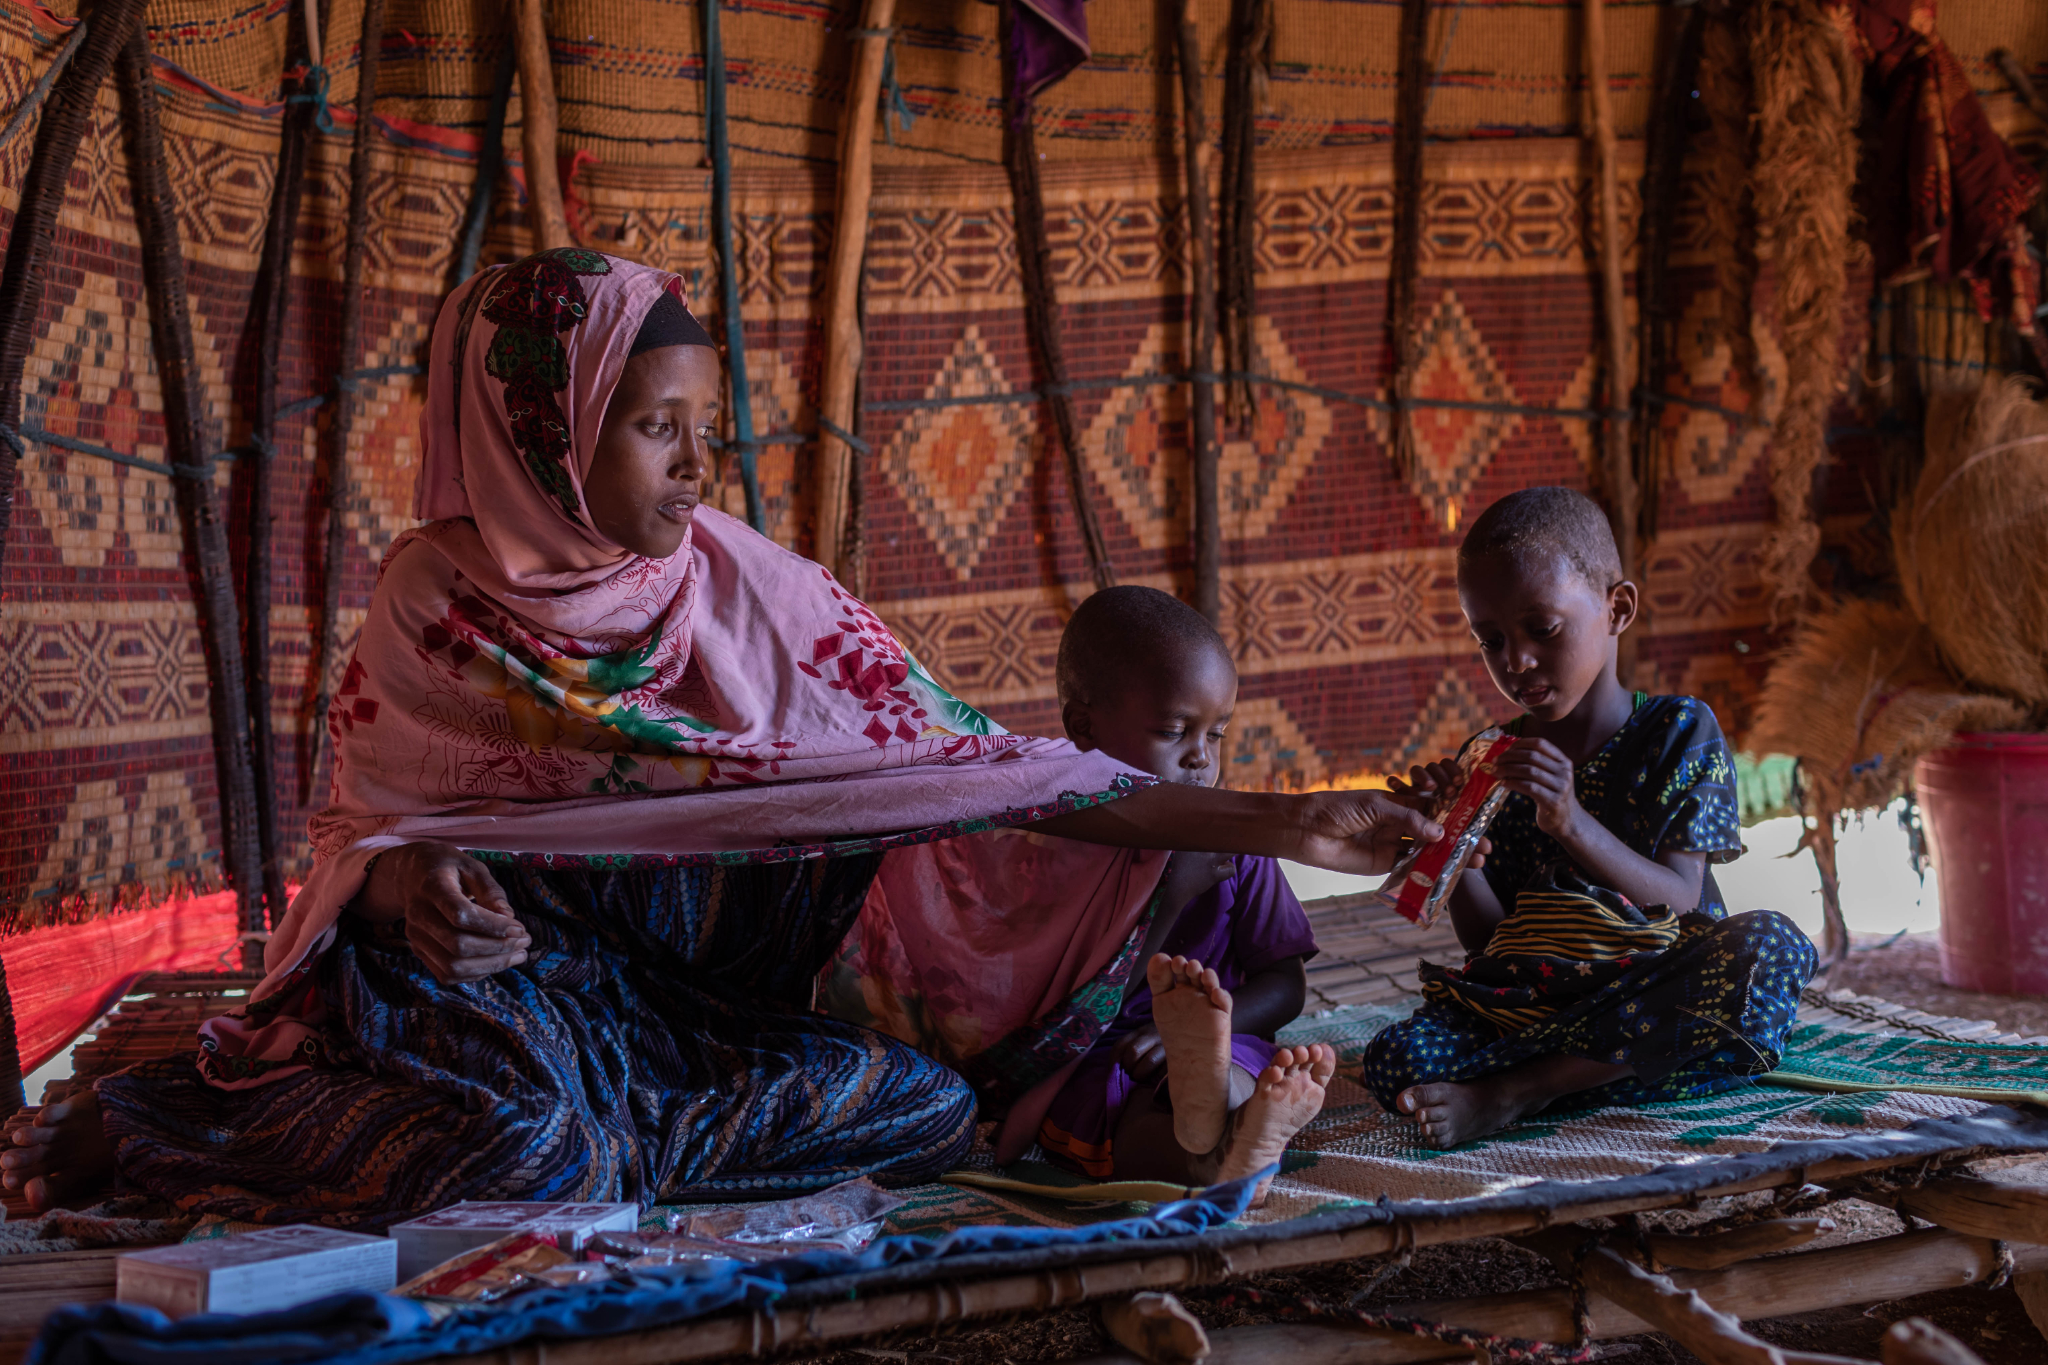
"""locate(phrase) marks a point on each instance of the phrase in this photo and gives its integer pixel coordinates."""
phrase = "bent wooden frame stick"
(184, 398)
(1411, 109)
(843, 341)
(539, 122)
(272, 304)
(335, 560)
(1617, 467)
(1202, 447)
(65, 114)
(1034, 266)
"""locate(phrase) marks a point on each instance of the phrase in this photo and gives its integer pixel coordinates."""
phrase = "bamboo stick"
(539, 123)
(335, 560)
(65, 115)
(1411, 105)
(843, 341)
(1201, 322)
(1034, 267)
(742, 404)
(184, 398)
(272, 304)
(1618, 472)
(1715, 1250)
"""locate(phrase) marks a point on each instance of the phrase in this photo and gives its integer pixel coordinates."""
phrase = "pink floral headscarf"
(522, 684)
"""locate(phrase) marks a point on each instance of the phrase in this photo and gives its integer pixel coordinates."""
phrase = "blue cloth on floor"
(381, 1329)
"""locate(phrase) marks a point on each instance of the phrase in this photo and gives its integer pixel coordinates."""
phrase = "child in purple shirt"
(1186, 1084)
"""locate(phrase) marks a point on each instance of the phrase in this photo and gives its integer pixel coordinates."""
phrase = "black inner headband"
(668, 323)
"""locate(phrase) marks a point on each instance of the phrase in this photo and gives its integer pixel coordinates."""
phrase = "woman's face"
(652, 455)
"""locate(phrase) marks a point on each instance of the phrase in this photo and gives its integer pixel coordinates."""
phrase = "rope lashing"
(313, 90)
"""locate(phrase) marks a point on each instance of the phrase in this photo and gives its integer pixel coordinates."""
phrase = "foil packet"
(1422, 880)
(489, 1273)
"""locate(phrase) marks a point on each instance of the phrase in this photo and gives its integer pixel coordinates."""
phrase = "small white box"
(255, 1272)
(425, 1242)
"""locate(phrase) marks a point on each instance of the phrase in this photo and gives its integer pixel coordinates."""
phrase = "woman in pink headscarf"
(613, 776)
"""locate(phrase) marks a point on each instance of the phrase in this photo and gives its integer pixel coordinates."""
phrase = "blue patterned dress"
(657, 1044)
(1702, 1016)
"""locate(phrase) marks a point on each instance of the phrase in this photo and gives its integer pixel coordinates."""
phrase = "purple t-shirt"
(1240, 926)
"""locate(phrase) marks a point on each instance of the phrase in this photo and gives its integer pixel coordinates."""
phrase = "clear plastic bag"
(844, 1218)
(1422, 880)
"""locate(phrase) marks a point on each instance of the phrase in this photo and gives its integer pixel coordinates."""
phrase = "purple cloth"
(1051, 39)
(1241, 926)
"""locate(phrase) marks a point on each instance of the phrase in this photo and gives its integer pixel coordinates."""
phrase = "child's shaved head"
(1119, 631)
(1559, 522)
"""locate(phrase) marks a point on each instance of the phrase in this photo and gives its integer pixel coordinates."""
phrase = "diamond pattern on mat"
(59, 676)
(110, 837)
(1452, 716)
(958, 468)
(1149, 481)
(1454, 445)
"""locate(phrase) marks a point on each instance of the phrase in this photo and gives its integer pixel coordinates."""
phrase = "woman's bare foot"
(63, 1157)
(1192, 1013)
(1288, 1094)
(1451, 1112)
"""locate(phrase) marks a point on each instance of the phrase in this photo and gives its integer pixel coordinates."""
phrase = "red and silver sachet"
(1421, 882)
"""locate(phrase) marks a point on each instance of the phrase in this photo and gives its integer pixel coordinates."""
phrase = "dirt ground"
(1990, 1322)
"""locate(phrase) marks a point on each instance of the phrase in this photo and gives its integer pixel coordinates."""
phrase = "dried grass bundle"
(1858, 696)
(1808, 88)
(1972, 542)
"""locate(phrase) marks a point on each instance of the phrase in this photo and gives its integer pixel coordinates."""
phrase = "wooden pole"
(742, 404)
(1404, 333)
(1618, 472)
(1201, 322)
(184, 398)
(1681, 1314)
(539, 123)
(272, 304)
(1661, 190)
(1714, 1250)
(1251, 27)
(335, 560)
(843, 341)
(1041, 303)
(490, 164)
(65, 115)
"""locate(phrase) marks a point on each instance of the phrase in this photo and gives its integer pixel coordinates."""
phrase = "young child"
(1186, 1085)
(1601, 962)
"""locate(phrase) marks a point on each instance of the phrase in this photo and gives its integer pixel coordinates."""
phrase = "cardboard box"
(424, 1243)
(255, 1272)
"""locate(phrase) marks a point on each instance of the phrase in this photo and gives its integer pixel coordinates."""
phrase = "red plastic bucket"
(1985, 802)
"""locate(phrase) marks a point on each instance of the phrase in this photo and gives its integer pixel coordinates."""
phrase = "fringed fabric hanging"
(1808, 91)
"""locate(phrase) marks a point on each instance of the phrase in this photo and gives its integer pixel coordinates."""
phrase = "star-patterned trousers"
(1706, 1016)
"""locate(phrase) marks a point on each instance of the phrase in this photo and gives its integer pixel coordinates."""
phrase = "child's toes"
(1159, 973)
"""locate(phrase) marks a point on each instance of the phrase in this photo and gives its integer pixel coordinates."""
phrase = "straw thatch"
(1808, 88)
(1970, 542)
(1858, 696)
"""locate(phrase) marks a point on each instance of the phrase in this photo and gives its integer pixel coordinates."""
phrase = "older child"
(1602, 965)
(1145, 679)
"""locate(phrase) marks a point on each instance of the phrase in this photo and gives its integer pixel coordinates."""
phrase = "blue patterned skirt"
(1705, 1016)
(657, 1045)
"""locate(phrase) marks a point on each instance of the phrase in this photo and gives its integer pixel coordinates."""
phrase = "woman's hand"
(1360, 832)
(1538, 769)
(453, 913)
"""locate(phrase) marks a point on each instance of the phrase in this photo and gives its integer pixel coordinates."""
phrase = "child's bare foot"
(1192, 1013)
(1288, 1094)
(63, 1157)
(1453, 1112)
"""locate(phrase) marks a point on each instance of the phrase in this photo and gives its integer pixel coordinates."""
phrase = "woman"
(675, 755)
